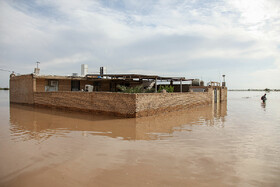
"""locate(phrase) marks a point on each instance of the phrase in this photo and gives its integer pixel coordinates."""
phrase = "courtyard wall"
(27, 89)
(21, 89)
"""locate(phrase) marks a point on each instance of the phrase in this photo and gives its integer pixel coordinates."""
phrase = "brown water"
(233, 144)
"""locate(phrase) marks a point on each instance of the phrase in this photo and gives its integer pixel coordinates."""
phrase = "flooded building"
(100, 93)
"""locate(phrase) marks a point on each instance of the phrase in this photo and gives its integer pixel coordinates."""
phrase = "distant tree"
(267, 90)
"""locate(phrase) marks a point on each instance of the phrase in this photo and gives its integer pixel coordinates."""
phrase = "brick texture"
(40, 85)
(156, 103)
(224, 94)
(119, 104)
(122, 104)
(21, 89)
(64, 85)
(27, 89)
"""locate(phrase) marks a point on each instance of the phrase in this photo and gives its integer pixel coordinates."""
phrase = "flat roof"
(113, 76)
(137, 76)
(59, 77)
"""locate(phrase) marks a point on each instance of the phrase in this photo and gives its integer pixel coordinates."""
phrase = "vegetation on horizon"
(265, 90)
(4, 88)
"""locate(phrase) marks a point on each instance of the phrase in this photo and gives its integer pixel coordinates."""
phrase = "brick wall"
(119, 104)
(105, 86)
(155, 103)
(26, 89)
(83, 84)
(21, 89)
(64, 85)
(122, 104)
(224, 94)
(40, 85)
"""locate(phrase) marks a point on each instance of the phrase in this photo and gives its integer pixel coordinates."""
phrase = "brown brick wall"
(224, 94)
(155, 103)
(40, 85)
(129, 105)
(21, 89)
(83, 83)
(105, 86)
(64, 85)
(115, 103)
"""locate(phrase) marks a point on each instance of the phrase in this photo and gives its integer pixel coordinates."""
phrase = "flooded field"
(230, 144)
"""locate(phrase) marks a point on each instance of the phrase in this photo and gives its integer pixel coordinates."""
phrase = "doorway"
(75, 85)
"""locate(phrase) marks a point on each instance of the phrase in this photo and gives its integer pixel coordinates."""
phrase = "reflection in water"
(232, 144)
(27, 122)
(263, 104)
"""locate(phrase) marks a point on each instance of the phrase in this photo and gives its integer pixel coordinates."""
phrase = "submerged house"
(100, 93)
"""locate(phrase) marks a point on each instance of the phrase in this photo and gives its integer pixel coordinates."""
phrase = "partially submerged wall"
(119, 104)
(224, 94)
(29, 90)
(155, 103)
(122, 104)
(21, 89)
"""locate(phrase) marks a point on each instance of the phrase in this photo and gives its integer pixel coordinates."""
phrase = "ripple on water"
(232, 144)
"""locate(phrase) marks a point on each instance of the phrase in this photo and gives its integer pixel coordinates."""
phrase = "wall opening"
(75, 85)
(215, 95)
(52, 86)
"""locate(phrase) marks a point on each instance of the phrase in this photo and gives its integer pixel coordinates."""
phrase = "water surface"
(235, 143)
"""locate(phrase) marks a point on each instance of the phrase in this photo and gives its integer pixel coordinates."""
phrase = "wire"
(5, 70)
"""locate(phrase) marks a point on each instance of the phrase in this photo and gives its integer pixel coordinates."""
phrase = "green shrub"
(169, 89)
(140, 89)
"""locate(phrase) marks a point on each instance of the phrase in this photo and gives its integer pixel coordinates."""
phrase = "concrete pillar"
(34, 84)
(181, 86)
(156, 85)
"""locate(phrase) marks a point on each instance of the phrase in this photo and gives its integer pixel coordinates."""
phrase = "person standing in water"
(263, 98)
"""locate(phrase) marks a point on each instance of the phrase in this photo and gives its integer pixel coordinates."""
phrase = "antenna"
(38, 64)
(37, 70)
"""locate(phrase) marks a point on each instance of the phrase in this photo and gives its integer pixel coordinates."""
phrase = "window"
(52, 86)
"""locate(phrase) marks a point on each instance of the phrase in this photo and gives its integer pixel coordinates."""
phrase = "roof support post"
(155, 85)
(181, 86)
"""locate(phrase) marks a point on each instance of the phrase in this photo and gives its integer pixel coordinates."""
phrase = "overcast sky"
(193, 38)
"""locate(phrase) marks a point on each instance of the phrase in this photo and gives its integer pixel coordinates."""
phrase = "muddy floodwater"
(236, 143)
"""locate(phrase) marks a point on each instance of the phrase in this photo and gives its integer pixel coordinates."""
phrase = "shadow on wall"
(29, 122)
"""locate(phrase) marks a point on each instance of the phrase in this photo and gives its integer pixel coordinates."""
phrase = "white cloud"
(164, 37)
(268, 78)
